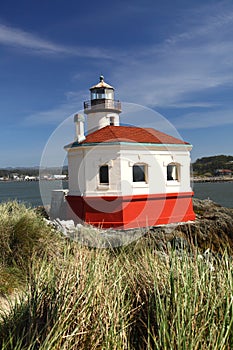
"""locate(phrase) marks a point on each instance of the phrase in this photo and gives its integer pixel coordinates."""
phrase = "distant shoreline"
(212, 179)
(198, 179)
(32, 180)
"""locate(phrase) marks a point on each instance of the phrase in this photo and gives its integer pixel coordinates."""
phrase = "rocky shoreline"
(212, 229)
(202, 179)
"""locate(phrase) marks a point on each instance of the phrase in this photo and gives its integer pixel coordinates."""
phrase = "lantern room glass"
(99, 94)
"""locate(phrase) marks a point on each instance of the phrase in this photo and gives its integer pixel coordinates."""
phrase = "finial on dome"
(101, 78)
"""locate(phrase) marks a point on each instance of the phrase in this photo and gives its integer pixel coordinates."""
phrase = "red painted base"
(132, 211)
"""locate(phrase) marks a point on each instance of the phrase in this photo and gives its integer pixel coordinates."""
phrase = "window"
(112, 121)
(173, 172)
(103, 175)
(102, 94)
(139, 173)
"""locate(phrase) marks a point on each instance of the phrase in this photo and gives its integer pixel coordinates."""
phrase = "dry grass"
(129, 298)
(23, 234)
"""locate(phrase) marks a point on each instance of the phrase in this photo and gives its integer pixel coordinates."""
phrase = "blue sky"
(175, 57)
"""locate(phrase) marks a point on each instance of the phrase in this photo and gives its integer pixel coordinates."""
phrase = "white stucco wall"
(99, 120)
(76, 171)
(84, 163)
(156, 162)
(84, 171)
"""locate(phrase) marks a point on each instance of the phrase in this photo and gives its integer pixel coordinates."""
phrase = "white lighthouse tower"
(102, 109)
(125, 176)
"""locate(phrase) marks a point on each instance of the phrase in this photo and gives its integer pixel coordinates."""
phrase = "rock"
(67, 227)
(212, 229)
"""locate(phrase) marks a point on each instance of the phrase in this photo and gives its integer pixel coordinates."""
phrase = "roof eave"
(141, 144)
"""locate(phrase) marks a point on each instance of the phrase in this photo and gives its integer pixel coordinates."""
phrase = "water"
(29, 192)
(219, 192)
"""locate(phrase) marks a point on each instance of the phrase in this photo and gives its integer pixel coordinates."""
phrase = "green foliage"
(211, 164)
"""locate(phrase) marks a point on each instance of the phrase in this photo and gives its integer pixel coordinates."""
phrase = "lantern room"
(102, 98)
(102, 109)
(101, 91)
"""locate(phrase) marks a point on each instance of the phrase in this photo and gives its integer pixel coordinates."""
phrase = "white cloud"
(15, 37)
(204, 120)
(195, 104)
(53, 115)
(199, 59)
(178, 73)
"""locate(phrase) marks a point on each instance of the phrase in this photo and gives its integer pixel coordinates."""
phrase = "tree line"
(212, 163)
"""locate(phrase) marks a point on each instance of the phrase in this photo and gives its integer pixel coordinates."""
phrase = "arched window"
(173, 172)
(104, 174)
(139, 173)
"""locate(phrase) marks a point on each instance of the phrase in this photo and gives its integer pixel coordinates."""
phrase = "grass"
(133, 297)
(23, 234)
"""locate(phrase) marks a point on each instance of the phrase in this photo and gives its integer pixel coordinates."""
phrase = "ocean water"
(29, 192)
(219, 192)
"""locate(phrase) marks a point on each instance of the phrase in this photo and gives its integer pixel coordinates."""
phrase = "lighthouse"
(102, 109)
(125, 176)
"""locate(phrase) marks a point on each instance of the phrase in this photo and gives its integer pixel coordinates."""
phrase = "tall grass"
(129, 298)
(23, 233)
(187, 305)
(73, 304)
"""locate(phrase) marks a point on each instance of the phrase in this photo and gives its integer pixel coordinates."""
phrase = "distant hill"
(211, 164)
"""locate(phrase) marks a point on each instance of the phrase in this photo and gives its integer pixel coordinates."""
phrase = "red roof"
(131, 134)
